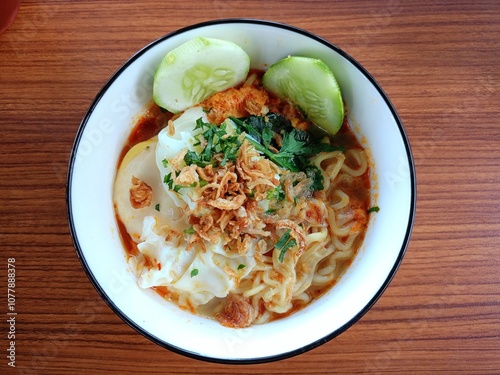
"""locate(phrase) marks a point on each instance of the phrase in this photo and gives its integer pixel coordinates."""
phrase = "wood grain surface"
(439, 64)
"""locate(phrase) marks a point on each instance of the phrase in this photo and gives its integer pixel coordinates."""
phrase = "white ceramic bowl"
(92, 168)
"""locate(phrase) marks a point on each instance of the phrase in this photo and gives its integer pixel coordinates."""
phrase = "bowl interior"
(92, 170)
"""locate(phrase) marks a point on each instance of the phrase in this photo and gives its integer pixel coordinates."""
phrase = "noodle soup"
(106, 148)
(224, 230)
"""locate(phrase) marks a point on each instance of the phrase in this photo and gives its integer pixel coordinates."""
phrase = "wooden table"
(439, 64)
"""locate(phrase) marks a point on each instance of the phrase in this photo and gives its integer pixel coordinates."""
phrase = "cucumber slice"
(311, 85)
(196, 70)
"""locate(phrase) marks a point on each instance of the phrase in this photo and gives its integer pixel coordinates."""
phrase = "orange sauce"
(147, 126)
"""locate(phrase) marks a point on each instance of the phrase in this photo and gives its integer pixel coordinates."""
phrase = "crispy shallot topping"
(171, 128)
(226, 199)
(237, 312)
(241, 244)
(178, 160)
(204, 226)
(141, 193)
(188, 176)
(207, 173)
(228, 204)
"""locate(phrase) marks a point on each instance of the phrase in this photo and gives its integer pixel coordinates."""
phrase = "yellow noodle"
(359, 157)
(334, 160)
(318, 236)
(346, 245)
(343, 199)
(336, 231)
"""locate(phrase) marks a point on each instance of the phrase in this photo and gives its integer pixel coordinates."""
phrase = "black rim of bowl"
(307, 347)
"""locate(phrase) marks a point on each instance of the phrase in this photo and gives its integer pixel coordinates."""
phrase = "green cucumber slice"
(310, 84)
(196, 70)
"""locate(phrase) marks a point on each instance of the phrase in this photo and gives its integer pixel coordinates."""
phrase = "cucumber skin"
(304, 80)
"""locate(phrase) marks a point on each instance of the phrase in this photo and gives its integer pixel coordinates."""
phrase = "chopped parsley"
(284, 243)
(194, 272)
(373, 209)
(272, 135)
(189, 230)
(241, 266)
(296, 145)
(316, 177)
(165, 163)
(216, 141)
(157, 207)
(277, 193)
(168, 180)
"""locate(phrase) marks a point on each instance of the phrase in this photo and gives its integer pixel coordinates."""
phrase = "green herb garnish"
(168, 180)
(217, 141)
(157, 207)
(284, 243)
(296, 145)
(374, 209)
(315, 175)
(277, 193)
(241, 266)
(189, 230)
(194, 272)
